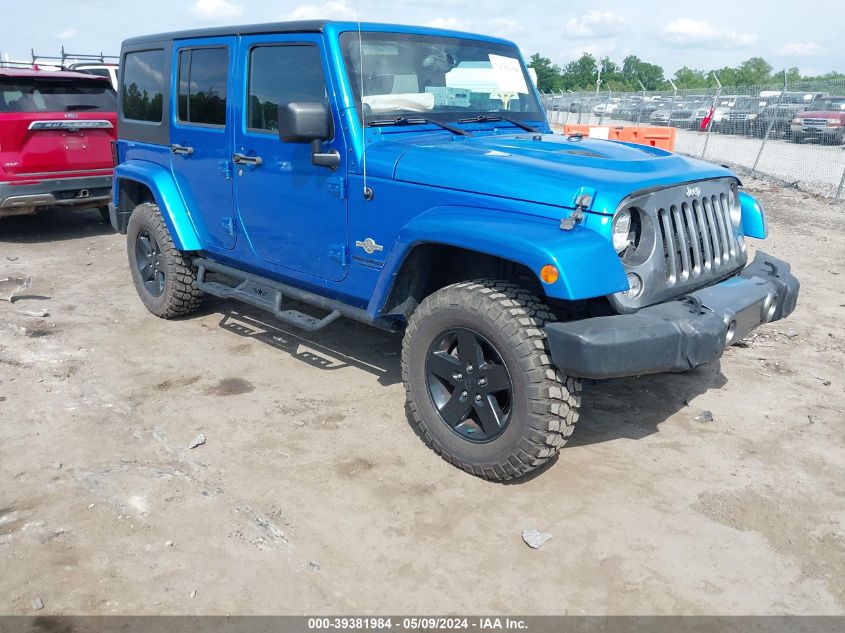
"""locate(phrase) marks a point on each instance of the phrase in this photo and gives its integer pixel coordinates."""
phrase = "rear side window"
(203, 73)
(143, 86)
(282, 74)
(55, 94)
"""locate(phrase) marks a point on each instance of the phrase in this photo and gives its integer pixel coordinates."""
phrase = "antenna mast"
(368, 192)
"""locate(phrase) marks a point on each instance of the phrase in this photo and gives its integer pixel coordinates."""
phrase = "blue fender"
(586, 261)
(753, 217)
(160, 182)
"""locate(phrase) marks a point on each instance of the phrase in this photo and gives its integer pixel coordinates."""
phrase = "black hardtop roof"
(303, 26)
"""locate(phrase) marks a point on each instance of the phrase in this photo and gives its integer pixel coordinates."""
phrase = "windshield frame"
(452, 116)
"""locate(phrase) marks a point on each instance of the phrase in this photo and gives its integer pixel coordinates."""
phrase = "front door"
(200, 137)
(293, 212)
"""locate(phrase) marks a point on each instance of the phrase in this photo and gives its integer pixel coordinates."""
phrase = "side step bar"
(267, 294)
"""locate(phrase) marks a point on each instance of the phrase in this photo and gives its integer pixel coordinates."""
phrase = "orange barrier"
(662, 137)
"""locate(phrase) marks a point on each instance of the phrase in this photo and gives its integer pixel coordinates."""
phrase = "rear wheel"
(481, 389)
(163, 276)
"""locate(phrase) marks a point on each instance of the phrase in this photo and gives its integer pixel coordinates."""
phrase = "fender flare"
(160, 182)
(753, 217)
(587, 263)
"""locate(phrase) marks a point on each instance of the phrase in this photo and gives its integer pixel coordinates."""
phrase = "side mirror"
(308, 122)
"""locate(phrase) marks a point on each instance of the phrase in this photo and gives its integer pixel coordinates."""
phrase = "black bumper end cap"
(669, 337)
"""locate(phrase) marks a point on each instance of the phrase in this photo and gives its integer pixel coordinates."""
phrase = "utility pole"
(598, 78)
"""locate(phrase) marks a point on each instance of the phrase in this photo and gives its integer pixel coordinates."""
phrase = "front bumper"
(816, 130)
(88, 190)
(677, 335)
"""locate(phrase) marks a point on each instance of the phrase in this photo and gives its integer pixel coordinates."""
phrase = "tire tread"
(553, 397)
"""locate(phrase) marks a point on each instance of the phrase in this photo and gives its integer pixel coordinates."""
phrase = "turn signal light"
(549, 274)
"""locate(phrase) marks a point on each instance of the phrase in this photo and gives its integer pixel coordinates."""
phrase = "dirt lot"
(312, 494)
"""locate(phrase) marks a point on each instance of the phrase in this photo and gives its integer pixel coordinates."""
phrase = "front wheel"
(481, 389)
(163, 275)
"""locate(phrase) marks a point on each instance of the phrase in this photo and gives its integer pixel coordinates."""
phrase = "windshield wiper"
(481, 118)
(81, 106)
(418, 120)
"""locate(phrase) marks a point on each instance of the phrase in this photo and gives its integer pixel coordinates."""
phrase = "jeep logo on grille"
(693, 192)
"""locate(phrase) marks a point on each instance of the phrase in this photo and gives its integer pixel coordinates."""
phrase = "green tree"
(688, 78)
(548, 74)
(635, 70)
(752, 72)
(581, 74)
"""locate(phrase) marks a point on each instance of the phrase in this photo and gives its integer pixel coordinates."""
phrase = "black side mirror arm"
(330, 159)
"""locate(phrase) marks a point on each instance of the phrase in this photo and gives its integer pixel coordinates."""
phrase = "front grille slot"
(697, 238)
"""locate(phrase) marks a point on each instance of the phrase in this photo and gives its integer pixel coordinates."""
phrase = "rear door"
(200, 136)
(54, 124)
(293, 211)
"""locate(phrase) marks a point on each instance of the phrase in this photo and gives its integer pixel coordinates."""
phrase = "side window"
(203, 73)
(282, 74)
(143, 86)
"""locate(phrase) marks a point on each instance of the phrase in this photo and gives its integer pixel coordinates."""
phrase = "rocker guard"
(677, 335)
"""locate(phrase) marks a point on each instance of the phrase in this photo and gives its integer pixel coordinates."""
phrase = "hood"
(546, 169)
(823, 114)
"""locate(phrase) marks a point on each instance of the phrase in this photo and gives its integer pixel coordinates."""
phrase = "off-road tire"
(180, 295)
(545, 403)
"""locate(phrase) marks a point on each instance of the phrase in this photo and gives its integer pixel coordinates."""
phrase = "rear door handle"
(243, 159)
(181, 149)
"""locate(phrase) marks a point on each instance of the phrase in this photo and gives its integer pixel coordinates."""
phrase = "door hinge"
(229, 226)
(337, 187)
(337, 252)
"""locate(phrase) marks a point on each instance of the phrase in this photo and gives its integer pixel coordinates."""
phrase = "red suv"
(56, 130)
(824, 121)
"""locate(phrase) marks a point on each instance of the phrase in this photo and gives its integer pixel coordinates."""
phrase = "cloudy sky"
(707, 34)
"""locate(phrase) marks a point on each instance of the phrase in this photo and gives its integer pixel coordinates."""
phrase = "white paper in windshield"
(508, 74)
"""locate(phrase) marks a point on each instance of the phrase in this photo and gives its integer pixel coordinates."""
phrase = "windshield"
(828, 104)
(442, 78)
(54, 94)
(746, 104)
(793, 98)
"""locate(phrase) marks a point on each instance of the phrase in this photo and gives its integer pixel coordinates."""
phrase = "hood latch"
(582, 201)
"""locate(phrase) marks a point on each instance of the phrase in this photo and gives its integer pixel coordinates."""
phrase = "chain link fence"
(792, 135)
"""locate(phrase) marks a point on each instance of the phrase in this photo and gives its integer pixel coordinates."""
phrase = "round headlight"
(735, 207)
(621, 230)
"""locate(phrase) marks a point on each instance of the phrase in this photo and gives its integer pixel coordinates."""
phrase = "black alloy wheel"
(469, 385)
(149, 260)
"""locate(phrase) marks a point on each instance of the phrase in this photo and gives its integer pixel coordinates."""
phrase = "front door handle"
(181, 149)
(243, 159)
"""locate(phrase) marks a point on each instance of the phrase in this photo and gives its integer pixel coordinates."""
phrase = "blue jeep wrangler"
(408, 178)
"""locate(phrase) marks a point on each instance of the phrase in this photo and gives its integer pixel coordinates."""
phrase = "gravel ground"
(312, 494)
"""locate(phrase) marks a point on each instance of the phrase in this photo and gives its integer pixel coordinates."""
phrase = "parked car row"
(798, 116)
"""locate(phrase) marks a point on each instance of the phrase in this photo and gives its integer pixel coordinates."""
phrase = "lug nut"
(457, 376)
(478, 398)
(464, 394)
(482, 381)
(469, 368)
